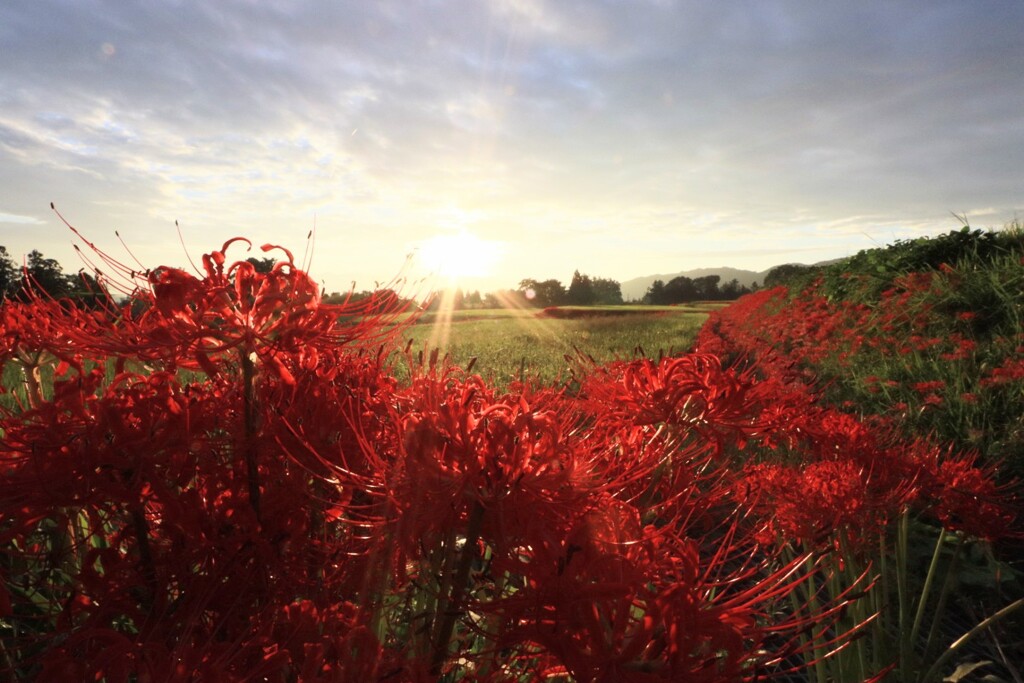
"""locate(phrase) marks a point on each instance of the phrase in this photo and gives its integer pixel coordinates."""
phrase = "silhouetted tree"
(262, 265)
(682, 289)
(8, 274)
(606, 291)
(655, 294)
(581, 291)
(44, 275)
(707, 287)
(505, 298)
(679, 290)
(385, 296)
(86, 291)
(732, 289)
(546, 293)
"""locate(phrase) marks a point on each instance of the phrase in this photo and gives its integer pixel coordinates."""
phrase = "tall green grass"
(957, 345)
(504, 348)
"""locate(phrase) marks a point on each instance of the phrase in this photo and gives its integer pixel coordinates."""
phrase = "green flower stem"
(33, 383)
(926, 589)
(249, 417)
(880, 599)
(445, 576)
(450, 613)
(906, 652)
(947, 588)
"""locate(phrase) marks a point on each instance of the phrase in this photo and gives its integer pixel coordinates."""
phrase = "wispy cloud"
(15, 219)
(564, 126)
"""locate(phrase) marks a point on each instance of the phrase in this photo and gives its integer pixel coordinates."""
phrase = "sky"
(497, 140)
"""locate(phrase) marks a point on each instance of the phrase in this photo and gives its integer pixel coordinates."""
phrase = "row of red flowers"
(937, 351)
(225, 481)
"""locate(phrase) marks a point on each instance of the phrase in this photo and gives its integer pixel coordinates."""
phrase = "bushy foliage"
(870, 272)
(790, 274)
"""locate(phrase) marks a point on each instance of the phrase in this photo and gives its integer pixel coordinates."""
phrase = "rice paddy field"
(511, 344)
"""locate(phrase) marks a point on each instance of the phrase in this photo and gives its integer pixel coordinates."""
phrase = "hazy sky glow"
(620, 138)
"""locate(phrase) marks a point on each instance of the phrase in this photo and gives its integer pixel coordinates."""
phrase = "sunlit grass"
(509, 344)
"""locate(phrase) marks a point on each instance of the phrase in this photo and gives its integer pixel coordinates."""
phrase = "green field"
(508, 343)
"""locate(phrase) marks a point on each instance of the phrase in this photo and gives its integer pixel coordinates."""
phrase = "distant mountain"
(637, 287)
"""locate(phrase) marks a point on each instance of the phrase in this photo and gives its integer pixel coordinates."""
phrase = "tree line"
(682, 289)
(586, 290)
(46, 275)
(583, 290)
(41, 275)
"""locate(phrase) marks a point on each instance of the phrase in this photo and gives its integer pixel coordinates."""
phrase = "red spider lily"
(924, 388)
(142, 492)
(961, 494)
(688, 393)
(637, 605)
(816, 501)
(37, 331)
(1010, 372)
(295, 514)
(544, 492)
(235, 315)
(761, 326)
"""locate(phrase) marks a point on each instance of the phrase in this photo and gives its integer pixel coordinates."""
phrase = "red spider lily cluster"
(789, 340)
(224, 481)
(917, 352)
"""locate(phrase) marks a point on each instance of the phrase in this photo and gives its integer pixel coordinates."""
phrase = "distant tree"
(44, 275)
(446, 300)
(8, 275)
(473, 300)
(581, 290)
(680, 290)
(335, 298)
(732, 290)
(655, 294)
(543, 293)
(527, 285)
(707, 287)
(384, 296)
(86, 291)
(505, 298)
(262, 265)
(607, 292)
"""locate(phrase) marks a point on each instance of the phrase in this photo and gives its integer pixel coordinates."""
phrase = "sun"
(455, 256)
